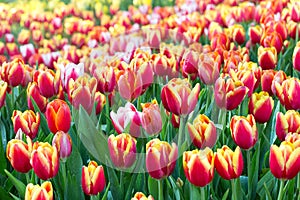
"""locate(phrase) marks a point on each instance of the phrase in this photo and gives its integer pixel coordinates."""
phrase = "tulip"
(255, 33)
(276, 86)
(127, 116)
(122, 149)
(286, 123)
(165, 65)
(13, 72)
(209, 67)
(18, 154)
(36, 192)
(284, 160)
(160, 158)
(243, 131)
(178, 97)
(296, 56)
(34, 93)
(141, 196)
(106, 79)
(12, 49)
(151, 118)
(27, 121)
(199, 161)
(238, 33)
(153, 38)
(3, 89)
(70, 71)
(290, 97)
(130, 85)
(92, 178)
(47, 82)
(229, 164)
(189, 64)
(267, 79)
(267, 57)
(221, 41)
(272, 39)
(100, 100)
(229, 93)
(261, 106)
(293, 138)
(202, 132)
(58, 116)
(63, 142)
(82, 92)
(44, 160)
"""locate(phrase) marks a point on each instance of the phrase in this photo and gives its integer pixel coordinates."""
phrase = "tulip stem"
(280, 195)
(64, 173)
(202, 192)
(181, 133)
(107, 114)
(160, 190)
(249, 174)
(234, 197)
(298, 185)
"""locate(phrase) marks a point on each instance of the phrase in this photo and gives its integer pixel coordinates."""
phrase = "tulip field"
(150, 100)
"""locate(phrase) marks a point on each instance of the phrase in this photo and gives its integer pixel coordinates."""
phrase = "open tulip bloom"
(149, 99)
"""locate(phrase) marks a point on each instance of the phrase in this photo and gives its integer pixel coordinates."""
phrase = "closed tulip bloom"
(153, 37)
(209, 67)
(165, 65)
(178, 97)
(267, 57)
(13, 72)
(27, 121)
(44, 160)
(63, 142)
(106, 79)
(58, 116)
(261, 106)
(293, 138)
(34, 93)
(70, 71)
(160, 158)
(286, 123)
(189, 64)
(92, 178)
(229, 93)
(122, 149)
(18, 154)
(255, 33)
(243, 131)
(100, 100)
(141, 196)
(3, 89)
(203, 132)
(151, 118)
(284, 160)
(229, 164)
(125, 116)
(272, 39)
(267, 79)
(47, 81)
(296, 56)
(238, 33)
(291, 95)
(36, 192)
(199, 161)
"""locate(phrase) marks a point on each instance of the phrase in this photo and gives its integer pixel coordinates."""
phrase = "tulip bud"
(34, 93)
(272, 39)
(178, 97)
(153, 38)
(125, 116)
(243, 131)
(44, 160)
(106, 79)
(290, 97)
(286, 123)
(202, 132)
(36, 192)
(151, 118)
(122, 149)
(229, 93)
(13, 72)
(18, 154)
(238, 33)
(92, 178)
(284, 160)
(63, 142)
(3, 89)
(27, 121)
(199, 161)
(261, 106)
(229, 164)
(100, 100)
(255, 33)
(47, 82)
(58, 116)
(267, 79)
(141, 196)
(209, 67)
(296, 56)
(160, 158)
(293, 138)
(189, 64)
(267, 57)
(70, 71)
(165, 65)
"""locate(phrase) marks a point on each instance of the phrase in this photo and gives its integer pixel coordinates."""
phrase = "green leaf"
(73, 189)
(106, 192)
(20, 186)
(224, 197)
(3, 143)
(270, 128)
(114, 183)
(153, 187)
(265, 184)
(176, 189)
(43, 124)
(4, 194)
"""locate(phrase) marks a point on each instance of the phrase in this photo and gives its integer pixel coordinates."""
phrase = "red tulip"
(141, 196)
(3, 89)
(36, 192)
(267, 57)
(13, 72)
(106, 79)
(34, 93)
(47, 81)
(296, 56)
(293, 138)
(286, 123)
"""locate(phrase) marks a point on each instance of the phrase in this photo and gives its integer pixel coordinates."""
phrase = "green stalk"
(27, 177)
(95, 197)
(249, 175)
(233, 191)
(202, 191)
(181, 138)
(280, 195)
(122, 183)
(160, 190)
(64, 174)
(222, 120)
(298, 185)
(107, 114)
